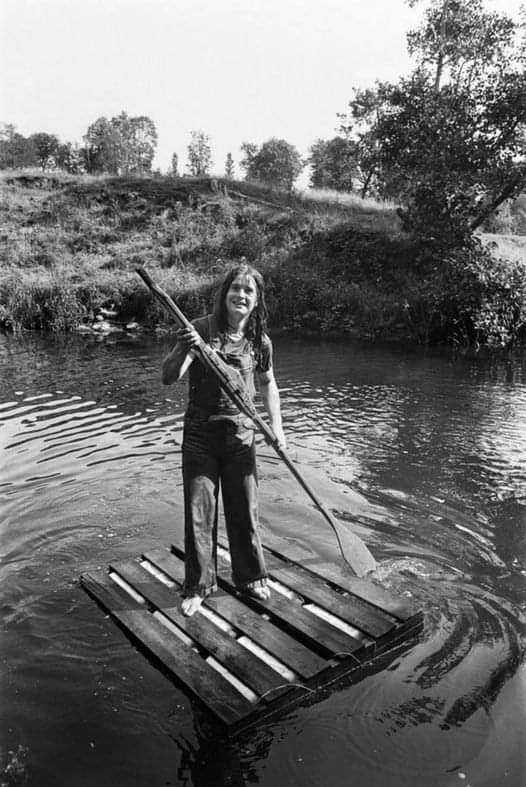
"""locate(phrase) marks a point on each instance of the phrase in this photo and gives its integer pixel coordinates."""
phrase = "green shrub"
(488, 297)
(44, 301)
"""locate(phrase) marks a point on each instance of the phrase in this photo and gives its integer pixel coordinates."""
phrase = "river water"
(428, 451)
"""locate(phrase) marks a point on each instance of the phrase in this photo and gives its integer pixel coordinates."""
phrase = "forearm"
(271, 403)
(175, 364)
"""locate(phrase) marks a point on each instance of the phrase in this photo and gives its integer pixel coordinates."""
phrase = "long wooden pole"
(353, 549)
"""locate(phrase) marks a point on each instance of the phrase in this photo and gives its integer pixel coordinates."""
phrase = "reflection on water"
(424, 457)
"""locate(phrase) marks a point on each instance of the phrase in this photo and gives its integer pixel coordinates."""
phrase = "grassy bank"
(332, 263)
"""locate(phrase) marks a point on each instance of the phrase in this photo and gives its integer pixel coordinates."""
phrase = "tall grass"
(348, 200)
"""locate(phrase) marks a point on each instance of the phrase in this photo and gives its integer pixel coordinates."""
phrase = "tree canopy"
(16, 151)
(229, 166)
(46, 147)
(199, 154)
(334, 164)
(276, 162)
(123, 145)
(449, 140)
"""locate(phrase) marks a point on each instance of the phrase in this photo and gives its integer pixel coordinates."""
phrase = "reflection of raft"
(246, 659)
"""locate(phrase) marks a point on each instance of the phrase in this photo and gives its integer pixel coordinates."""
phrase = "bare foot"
(191, 605)
(261, 593)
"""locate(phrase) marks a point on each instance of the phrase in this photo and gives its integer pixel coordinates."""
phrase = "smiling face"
(241, 299)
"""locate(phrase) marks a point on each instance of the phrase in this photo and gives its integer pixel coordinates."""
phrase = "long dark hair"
(257, 322)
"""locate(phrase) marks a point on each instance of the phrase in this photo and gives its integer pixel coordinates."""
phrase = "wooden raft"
(247, 659)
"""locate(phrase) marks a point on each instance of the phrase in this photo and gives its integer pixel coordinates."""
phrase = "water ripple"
(65, 438)
(422, 457)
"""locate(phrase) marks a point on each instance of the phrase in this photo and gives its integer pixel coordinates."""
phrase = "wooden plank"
(365, 662)
(320, 635)
(366, 589)
(402, 633)
(207, 684)
(294, 654)
(256, 674)
(353, 610)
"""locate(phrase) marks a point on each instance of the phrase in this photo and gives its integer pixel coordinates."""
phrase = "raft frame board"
(246, 659)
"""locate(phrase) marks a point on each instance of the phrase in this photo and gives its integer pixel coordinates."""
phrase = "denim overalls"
(219, 450)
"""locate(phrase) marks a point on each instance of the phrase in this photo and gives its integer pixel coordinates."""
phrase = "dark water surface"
(430, 452)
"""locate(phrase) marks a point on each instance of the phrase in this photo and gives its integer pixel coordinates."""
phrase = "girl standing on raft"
(218, 440)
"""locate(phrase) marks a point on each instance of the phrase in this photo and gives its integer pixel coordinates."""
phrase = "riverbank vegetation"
(70, 247)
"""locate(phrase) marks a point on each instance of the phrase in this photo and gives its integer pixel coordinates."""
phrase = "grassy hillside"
(70, 246)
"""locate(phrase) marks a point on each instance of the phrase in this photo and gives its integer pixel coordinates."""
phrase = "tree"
(229, 166)
(15, 150)
(46, 148)
(449, 141)
(145, 139)
(458, 36)
(139, 140)
(277, 163)
(70, 158)
(123, 145)
(199, 154)
(174, 172)
(334, 164)
(359, 127)
(249, 150)
(104, 147)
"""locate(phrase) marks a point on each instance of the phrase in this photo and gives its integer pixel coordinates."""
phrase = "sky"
(239, 70)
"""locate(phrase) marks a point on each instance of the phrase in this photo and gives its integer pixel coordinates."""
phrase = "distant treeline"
(122, 145)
